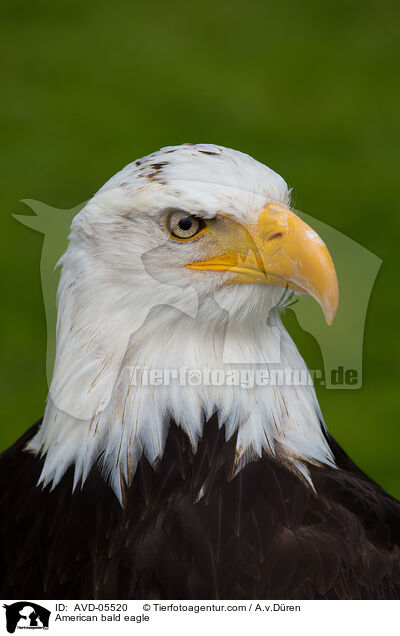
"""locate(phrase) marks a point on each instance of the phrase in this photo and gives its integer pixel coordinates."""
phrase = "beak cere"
(280, 250)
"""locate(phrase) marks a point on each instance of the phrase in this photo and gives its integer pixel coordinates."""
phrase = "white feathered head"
(178, 259)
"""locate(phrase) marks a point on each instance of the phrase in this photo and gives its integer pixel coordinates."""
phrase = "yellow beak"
(279, 249)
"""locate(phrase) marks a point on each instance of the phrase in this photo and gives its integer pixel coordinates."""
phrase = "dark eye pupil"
(185, 223)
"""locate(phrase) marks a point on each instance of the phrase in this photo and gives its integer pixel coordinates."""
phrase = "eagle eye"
(183, 226)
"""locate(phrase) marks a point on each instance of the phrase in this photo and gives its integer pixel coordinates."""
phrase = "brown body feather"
(188, 530)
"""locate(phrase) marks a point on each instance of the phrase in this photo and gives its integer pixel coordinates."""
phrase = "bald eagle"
(155, 473)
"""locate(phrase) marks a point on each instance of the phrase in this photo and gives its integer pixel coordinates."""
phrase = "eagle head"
(179, 261)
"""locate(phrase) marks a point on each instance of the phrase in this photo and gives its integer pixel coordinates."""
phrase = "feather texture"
(189, 529)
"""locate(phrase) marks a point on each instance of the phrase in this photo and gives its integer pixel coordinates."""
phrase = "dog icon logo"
(26, 615)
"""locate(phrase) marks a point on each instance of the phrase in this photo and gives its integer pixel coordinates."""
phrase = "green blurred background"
(311, 89)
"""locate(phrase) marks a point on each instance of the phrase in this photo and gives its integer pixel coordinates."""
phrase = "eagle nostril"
(278, 235)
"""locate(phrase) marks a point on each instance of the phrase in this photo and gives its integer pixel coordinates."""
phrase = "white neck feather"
(96, 414)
